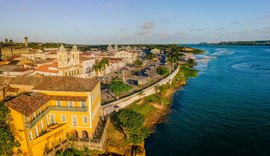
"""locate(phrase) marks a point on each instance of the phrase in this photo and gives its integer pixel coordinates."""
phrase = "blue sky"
(134, 21)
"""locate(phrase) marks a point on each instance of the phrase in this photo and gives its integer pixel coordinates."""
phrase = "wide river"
(225, 111)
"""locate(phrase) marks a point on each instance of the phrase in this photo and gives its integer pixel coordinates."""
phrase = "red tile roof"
(66, 83)
(45, 68)
(27, 104)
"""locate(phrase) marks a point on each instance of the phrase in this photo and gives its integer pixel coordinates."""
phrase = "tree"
(163, 71)
(117, 86)
(98, 68)
(7, 139)
(150, 56)
(104, 63)
(173, 57)
(138, 62)
(131, 124)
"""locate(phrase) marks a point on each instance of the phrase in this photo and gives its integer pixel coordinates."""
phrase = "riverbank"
(153, 108)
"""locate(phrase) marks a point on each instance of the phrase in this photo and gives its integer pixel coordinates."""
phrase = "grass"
(145, 109)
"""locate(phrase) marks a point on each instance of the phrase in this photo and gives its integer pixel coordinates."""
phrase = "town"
(62, 96)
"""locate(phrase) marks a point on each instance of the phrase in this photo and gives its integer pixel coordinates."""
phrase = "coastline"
(154, 117)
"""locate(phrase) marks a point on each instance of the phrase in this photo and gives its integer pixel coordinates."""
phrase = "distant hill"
(252, 43)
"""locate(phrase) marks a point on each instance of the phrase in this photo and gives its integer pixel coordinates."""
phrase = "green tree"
(117, 86)
(131, 124)
(138, 62)
(98, 67)
(163, 71)
(150, 56)
(104, 63)
(7, 139)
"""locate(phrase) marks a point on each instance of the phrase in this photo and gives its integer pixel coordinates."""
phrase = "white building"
(128, 56)
(39, 54)
(87, 66)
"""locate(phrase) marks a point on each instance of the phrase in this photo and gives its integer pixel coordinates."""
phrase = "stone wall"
(124, 102)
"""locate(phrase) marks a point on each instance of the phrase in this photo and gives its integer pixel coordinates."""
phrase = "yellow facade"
(55, 121)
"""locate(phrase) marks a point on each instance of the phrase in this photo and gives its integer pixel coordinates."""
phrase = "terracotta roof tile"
(5, 80)
(46, 68)
(27, 104)
(65, 83)
(26, 80)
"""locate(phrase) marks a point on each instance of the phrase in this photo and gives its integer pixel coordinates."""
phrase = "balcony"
(68, 109)
(51, 131)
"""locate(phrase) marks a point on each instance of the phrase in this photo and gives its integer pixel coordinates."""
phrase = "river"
(223, 111)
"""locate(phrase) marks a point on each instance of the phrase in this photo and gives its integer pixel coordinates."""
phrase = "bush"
(164, 71)
(131, 124)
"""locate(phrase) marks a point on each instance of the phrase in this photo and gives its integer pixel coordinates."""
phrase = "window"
(52, 118)
(36, 131)
(58, 103)
(74, 120)
(41, 125)
(63, 118)
(85, 119)
(83, 104)
(47, 120)
(70, 104)
(34, 115)
(30, 136)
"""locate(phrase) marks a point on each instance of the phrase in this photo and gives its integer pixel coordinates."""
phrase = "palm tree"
(98, 68)
(104, 63)
(101, 66)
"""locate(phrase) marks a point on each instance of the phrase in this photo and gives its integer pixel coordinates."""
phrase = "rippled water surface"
(225, 111)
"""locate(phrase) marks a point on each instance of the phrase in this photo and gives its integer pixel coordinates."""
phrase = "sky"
(134, 21)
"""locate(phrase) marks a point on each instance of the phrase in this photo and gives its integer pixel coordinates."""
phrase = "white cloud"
(148, 25)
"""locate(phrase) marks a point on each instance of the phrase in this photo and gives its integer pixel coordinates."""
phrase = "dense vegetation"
(76, 152)
(164, 71)
(7, 138)
(117, 86)
(131, 124)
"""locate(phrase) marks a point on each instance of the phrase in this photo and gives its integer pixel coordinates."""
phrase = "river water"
(223, 111)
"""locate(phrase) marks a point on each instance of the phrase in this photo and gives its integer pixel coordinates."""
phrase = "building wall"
(1, 94)
(7, 52)
(56, 133)
(70, 71)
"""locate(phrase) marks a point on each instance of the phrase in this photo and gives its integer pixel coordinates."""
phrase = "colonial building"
(69, 62)
(58, 110)
(87, 64)
(128, 56)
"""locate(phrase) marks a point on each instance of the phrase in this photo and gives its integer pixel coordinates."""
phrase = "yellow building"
(57, 110)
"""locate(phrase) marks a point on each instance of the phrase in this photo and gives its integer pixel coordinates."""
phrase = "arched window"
(84, 134)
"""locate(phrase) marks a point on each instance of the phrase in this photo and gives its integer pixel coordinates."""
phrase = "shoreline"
(160, 112)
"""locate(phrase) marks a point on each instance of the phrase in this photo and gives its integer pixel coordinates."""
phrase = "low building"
(34, 55)
(4, 82)
(58, 110)
(128, 56)
(48, 70)
(155, 51)
(87, 64)
(14, 70)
